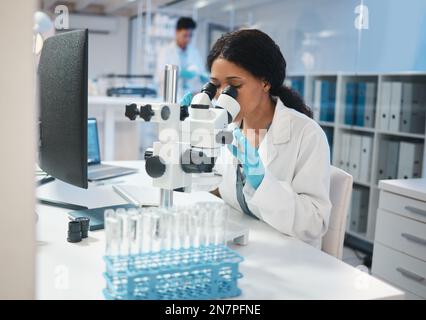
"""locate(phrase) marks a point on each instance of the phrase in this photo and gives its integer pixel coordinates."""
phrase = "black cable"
(45, 180)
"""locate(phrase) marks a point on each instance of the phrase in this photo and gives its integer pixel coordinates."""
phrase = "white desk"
(275, 266)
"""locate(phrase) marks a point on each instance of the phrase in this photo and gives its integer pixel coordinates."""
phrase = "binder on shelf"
(364, 211)
(359, 211)
(355, 212)
(317, 100)
(332, 102)
(392, 160)
(343, 162)
(355, 156)
(418, 108)
(325, 99)
(366, 156)
(297, 84)
(360, 104)
(370, 104)
(395, 106)
(302, 87)
(418, 160)
(382, 162)
(329, 134)
(385, 100)
(407, 103)
(350, 102)
(410, 160)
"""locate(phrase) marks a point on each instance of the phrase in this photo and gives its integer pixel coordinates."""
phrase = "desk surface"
(412, 188)
(275, 266)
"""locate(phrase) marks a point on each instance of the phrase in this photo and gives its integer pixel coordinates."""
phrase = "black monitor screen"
(63, 86)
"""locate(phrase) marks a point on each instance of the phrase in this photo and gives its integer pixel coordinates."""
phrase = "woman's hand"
(249, 158)
(186, 99)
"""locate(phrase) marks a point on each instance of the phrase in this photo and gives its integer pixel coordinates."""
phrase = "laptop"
(97, 170)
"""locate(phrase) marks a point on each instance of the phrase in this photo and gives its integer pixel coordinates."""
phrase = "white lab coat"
(170, 55)
(294, 194)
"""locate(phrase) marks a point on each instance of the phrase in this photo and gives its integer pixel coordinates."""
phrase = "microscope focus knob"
(146, 112)
(132, 111)
(155, 167)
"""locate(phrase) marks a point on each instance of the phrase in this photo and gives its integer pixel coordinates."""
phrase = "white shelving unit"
(338, 127)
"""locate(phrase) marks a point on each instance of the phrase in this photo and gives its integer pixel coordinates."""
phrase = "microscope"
(190, 137)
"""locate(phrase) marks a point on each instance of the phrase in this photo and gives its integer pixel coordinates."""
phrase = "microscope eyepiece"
(228, 101)
(230, 91)
(210, 89)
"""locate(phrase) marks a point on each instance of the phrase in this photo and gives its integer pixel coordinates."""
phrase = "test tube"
(194, 229)
(182, 229)
(155, 232)
(166, 230)
(220, 221)
(208, 223)
(146, 230)
(199, 217)
(124, 219)
(174, 228)
(196, 233)
(140, 230)
(133, 231)
(112, 233)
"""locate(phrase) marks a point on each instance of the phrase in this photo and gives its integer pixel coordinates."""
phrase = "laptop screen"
(93, 154)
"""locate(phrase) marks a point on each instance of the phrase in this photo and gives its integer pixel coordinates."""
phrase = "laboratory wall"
(108, 43)
(322, 37)
(17, 145)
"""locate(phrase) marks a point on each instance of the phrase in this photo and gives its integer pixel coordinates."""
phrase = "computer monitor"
(63, 86)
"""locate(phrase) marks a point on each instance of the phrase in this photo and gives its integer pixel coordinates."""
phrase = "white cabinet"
(405, 235)
(399, 255)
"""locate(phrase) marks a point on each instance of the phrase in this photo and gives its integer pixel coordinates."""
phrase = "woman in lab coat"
(281, 174)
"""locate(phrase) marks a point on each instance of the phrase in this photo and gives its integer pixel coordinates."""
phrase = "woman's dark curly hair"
(256, 52)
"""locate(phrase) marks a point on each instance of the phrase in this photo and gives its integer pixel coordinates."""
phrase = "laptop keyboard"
(103, 172)
(101, 168)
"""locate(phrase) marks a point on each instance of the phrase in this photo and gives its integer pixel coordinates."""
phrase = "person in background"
(180, 52)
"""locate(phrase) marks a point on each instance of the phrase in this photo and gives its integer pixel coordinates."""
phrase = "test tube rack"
(196, 273)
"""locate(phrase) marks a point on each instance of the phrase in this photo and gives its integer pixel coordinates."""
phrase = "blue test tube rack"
(205, 272)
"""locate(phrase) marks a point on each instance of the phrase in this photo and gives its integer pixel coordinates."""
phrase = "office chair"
(340, 197)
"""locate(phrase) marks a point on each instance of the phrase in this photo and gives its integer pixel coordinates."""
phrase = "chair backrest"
(340, 197)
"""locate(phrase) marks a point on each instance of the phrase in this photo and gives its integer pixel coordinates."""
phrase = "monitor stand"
(55, 203)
